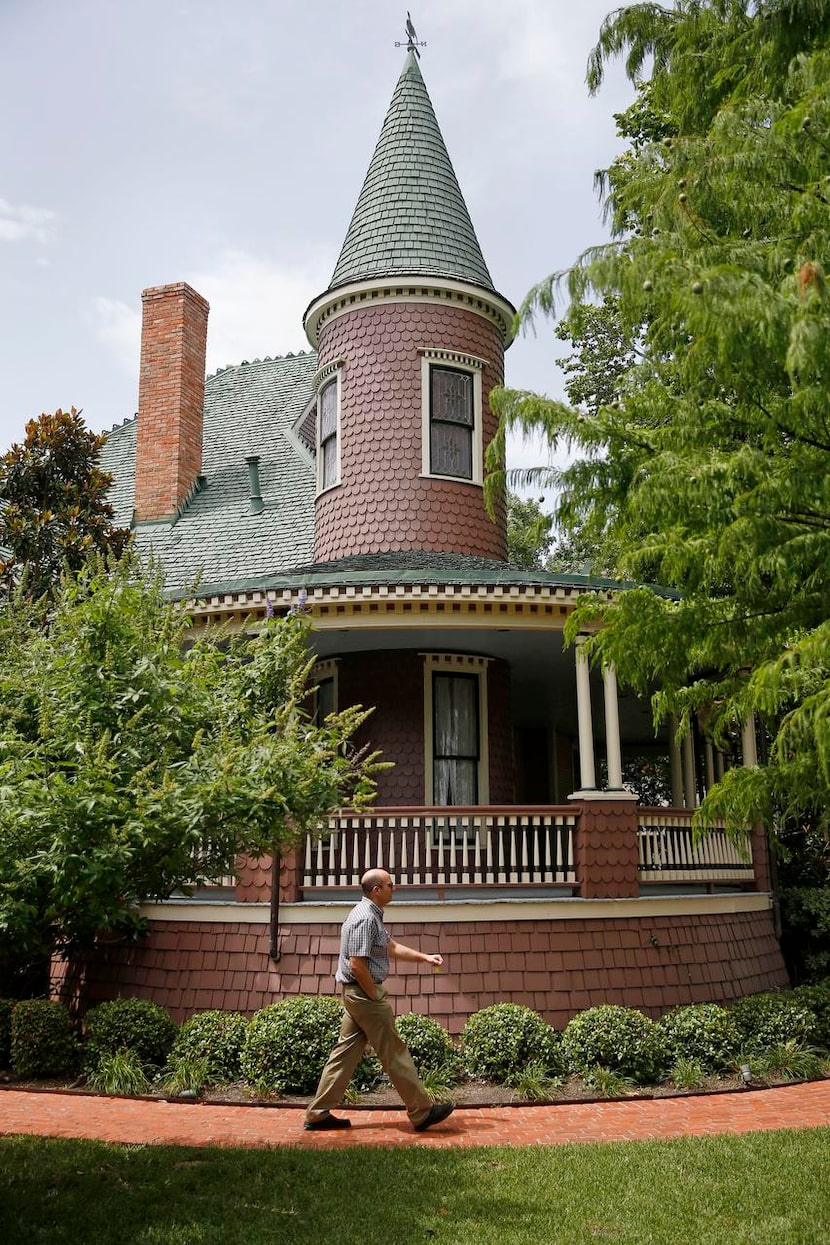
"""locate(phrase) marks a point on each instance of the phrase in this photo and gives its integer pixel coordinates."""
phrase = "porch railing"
(431, 847)
(668, 851)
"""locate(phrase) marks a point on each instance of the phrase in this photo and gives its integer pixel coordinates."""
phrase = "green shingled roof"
(249, 409)
(411, 218)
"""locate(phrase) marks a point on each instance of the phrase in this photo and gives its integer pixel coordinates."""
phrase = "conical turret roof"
(411, 218)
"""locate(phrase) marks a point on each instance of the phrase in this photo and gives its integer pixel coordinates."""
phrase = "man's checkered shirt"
(364, 934)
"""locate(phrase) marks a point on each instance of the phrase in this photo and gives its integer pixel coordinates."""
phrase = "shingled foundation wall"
(383, 502)
(558, 967)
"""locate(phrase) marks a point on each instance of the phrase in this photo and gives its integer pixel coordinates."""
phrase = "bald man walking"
(365, 948)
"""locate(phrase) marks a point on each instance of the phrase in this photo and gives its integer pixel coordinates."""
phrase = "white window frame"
(454, 361)
(327, 376)
(456, 663)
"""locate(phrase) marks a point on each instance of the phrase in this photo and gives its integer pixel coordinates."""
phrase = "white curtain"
(455, 739)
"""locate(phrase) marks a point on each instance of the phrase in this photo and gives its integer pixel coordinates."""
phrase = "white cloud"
(118, 326)
(256, 310)
(256, 305)
(24, 224)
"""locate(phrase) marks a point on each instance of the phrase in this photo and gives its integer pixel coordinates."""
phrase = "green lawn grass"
(765, 1187)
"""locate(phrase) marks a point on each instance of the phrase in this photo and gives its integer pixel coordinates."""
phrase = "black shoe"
(437, 1112)
(327, 1122)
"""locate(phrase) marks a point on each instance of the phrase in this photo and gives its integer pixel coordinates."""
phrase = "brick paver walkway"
(165, 1123)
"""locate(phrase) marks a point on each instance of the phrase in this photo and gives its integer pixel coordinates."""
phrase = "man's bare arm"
(399, 952)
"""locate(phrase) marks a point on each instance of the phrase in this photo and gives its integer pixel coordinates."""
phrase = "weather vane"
(412, 43)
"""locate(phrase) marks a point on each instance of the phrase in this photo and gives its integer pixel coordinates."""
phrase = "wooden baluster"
(416, 850)
(453, 823)
(429, 877)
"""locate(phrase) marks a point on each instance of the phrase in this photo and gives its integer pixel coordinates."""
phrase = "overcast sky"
(224, 144)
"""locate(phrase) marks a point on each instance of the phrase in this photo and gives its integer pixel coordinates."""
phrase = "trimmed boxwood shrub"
(817, 998)
(216, 1037)
(431, 1047)
(702, 1032)
(620, 1039)
(129, 1024)
(287, 1044)
(42, 1040)
(6, 1006)
(498, 1043)
(771, 1019)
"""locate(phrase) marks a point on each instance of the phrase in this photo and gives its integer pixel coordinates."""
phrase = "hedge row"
(284, 1046)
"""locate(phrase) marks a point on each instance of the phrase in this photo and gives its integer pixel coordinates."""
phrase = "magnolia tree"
(135, 760)
(54, 508)
(707, 469)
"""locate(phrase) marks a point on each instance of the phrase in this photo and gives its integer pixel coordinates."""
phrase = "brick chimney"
(171, 397)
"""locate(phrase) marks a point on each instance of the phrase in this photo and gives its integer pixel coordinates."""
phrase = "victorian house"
(349, 480)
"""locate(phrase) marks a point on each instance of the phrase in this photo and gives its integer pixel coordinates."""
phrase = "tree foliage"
(528, 533)
(54, 512)
(135, 761)
(710, 468)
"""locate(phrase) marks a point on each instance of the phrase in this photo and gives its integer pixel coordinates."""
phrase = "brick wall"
(383, 503)
(556, 967)
(170, 399)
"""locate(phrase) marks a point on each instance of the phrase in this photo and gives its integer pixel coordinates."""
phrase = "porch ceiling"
(542, 670)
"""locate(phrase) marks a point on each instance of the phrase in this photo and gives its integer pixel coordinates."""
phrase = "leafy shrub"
(430, 1046)
(129, 1024)
(6, 1006)
(703, 1033)
(42, 1040)
(119, 1072)
(620, 1039)
(805, 912)
(498, 1042)
(216, 1038)
(771, 1019)
(817, 998)
(287, 1044)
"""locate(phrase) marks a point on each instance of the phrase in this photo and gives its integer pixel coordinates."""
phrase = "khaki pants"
(369, 1022)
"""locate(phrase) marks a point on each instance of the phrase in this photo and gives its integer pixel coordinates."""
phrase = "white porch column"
(613, 749)
(719, 764)
(587, 772)
(748, 744)
(689, 784)
(710, 764)
(676, 765)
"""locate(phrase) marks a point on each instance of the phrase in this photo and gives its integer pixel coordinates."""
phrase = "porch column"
(710, 764)
(748, 744)
(613, 750)
(689, 784)
(676, 765)
(587, 772)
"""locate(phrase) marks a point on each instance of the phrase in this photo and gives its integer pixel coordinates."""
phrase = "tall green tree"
(528, 532)
(54, 509)
(711, 469)
(135, 761)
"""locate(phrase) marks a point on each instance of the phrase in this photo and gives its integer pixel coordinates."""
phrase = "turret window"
(451, 423)
(452, 433)
(328, 458)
